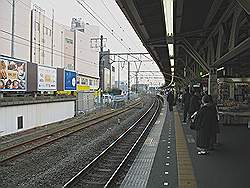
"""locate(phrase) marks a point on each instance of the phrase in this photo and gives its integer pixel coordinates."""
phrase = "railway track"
(105, 170)
(14, 148)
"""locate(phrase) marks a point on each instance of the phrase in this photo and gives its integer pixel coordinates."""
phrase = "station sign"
(13, 74)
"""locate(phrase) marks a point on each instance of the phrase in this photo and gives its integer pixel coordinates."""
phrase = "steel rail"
(91, 123)
(75, 179)
(110, 181)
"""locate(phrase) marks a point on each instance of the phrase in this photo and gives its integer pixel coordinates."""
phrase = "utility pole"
(101, 69)
(128, 80)
(52, 38)
(136, 81)
(13, 28)
(119, 76)
(101, 62)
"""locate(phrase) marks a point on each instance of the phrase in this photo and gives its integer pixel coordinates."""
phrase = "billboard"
(46, 78)
(12, 74)
(70, 80)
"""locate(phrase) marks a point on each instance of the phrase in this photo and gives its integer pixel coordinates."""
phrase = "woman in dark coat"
(194, 105)
(205, 122)
(170, 99)
(216, 128)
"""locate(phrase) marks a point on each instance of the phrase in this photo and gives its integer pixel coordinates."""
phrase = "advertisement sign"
(70, 80)
(12, 74)
(46, 78)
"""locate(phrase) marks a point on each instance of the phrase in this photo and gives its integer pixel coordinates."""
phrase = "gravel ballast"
(54, 164)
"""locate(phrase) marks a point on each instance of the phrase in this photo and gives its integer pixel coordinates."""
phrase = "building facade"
(15, 31)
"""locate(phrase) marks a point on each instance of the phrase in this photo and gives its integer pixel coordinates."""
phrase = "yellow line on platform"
(186, 178)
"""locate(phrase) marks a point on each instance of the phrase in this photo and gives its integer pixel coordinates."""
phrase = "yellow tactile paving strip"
(186, 178)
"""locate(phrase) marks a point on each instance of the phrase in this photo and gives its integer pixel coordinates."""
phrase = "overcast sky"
(66, 9)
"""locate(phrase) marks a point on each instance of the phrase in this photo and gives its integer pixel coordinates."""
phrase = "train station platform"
(169, 158)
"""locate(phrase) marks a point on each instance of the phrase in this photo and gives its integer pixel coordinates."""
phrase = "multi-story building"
(109, 71)
(15, 30)
(87, 57)
(30, 37)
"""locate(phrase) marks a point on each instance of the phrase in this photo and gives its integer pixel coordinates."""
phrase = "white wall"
(5, 25)
(34, 115)
(22, 29)
(42, 34)
(87, 58)
(58, 49)
(68, 40)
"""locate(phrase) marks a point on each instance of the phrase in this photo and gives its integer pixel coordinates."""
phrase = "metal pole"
(101, 70)
(136, 82)
(74, 49)
(110, 76)
(31, 35)
(119, 75)
(128, 80)
(52, 38)
(13, 28)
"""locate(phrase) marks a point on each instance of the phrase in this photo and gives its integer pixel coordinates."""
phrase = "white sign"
(46, 78)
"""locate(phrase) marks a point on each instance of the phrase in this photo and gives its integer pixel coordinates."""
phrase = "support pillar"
(212, 84)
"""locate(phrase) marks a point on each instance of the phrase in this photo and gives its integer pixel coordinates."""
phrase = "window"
(50, 32)
(37, 27)
(69, 41)
(20, 122)
(84, 81)
(90, 82)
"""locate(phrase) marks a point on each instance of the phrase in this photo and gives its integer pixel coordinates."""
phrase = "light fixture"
(171, 62)
(222, 68)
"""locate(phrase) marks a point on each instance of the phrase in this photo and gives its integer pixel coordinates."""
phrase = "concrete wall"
(34, 115)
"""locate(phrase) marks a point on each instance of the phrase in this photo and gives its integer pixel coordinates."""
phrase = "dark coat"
(170, 99)
(186, 100)
(206, 123)
(194, 104)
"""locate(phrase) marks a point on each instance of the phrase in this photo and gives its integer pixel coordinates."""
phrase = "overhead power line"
(49, 48)
(117, 22)
(106, 26)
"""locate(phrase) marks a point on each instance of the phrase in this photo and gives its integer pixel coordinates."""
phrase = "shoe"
(202, 153)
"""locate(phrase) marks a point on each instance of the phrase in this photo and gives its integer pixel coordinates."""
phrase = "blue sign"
(69, 80)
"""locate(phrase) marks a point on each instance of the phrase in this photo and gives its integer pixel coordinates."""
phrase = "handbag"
(193, 121)
(192, 124)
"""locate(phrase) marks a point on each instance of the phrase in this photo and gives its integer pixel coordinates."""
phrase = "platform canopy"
(148, 20)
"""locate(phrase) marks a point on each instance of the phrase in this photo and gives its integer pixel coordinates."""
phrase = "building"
(15, 31)
(87, 57)
(109, 71)
(34, 40)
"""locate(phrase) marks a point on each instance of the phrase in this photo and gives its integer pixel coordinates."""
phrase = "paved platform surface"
(228, 166)
(139, 172)
(169, 158)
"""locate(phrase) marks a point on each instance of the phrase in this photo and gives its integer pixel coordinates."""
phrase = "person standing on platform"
(186, 101)
(215, 124)
(205, 117)
(170, 99)
(195, 103)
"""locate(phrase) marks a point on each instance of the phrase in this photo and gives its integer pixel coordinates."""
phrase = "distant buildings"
(36, 38)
